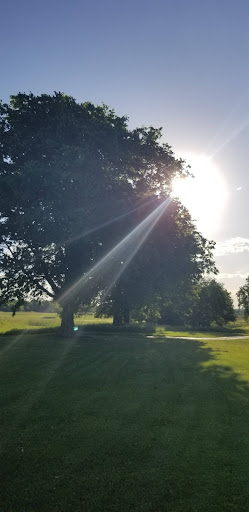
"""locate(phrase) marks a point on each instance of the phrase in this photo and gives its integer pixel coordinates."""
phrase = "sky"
(179, 64)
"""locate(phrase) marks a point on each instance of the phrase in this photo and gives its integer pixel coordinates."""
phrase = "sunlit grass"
(33, 320)
(238, 328)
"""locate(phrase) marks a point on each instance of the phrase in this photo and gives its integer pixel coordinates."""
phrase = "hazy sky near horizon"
(179, 64)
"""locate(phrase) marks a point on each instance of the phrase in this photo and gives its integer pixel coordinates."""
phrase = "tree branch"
(51, 283)
(46, 291)
(9, 249)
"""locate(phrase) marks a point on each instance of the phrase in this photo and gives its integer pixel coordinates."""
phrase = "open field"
(31, 321)
(110, 422)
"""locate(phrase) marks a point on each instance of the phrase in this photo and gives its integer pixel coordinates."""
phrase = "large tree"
(66, 169)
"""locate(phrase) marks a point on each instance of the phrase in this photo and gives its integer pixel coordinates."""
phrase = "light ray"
(29, 401)
(50, 374)
(132, 254)
(231, 137)
(228, 118)
(12, 343)
(103, 225)
(111, 266)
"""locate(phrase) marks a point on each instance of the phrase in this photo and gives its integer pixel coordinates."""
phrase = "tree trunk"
(126, 314)
(121, 314)
(67, 322)
(117, 318)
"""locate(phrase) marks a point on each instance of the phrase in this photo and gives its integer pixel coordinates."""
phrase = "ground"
(33, 321)
(116, 421)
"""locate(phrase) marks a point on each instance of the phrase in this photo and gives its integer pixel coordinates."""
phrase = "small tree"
(243, 298)
(213, 304)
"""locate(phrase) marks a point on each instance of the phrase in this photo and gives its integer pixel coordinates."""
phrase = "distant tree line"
(44, 306)
(206, 303)
(200, 305)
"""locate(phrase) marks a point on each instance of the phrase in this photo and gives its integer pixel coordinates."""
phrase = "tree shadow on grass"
(100, 328)
(42, 330)
(131, 424)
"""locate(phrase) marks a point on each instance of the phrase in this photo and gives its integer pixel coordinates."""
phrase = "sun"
(204, 195)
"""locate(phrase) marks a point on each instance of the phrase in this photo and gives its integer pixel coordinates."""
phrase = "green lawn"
(238, 328)
(32, 320)
(118, 422)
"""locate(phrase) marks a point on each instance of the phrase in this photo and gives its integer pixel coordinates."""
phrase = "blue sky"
(179, 64)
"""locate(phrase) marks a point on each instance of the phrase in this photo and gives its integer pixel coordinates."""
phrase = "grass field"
(32, 321)
(36, 321)
(238, 328)
(110, 422)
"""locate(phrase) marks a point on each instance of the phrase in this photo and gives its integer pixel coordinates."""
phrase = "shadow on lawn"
(144, 328)
(100, 328)
(131, 423)
(209, 428)
(43, 330)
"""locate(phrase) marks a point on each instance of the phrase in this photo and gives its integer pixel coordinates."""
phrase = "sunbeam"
(103, 225)
(50, 374)
(239, 129)
(32, 398)
(113, 264)
(12, 343)
(229, 119)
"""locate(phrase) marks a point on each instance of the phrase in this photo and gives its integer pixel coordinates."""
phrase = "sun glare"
(204, 195)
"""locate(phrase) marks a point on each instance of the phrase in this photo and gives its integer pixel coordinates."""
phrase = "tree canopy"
(213, 303)
(173, 259)
(72, 176)
(243, 298)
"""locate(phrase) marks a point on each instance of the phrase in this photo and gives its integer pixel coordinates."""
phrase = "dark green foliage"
(31, 305)
(67, 171)
(171, 261)
(213, 304)
(67, 168)
(198, 304)
(243, 298)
